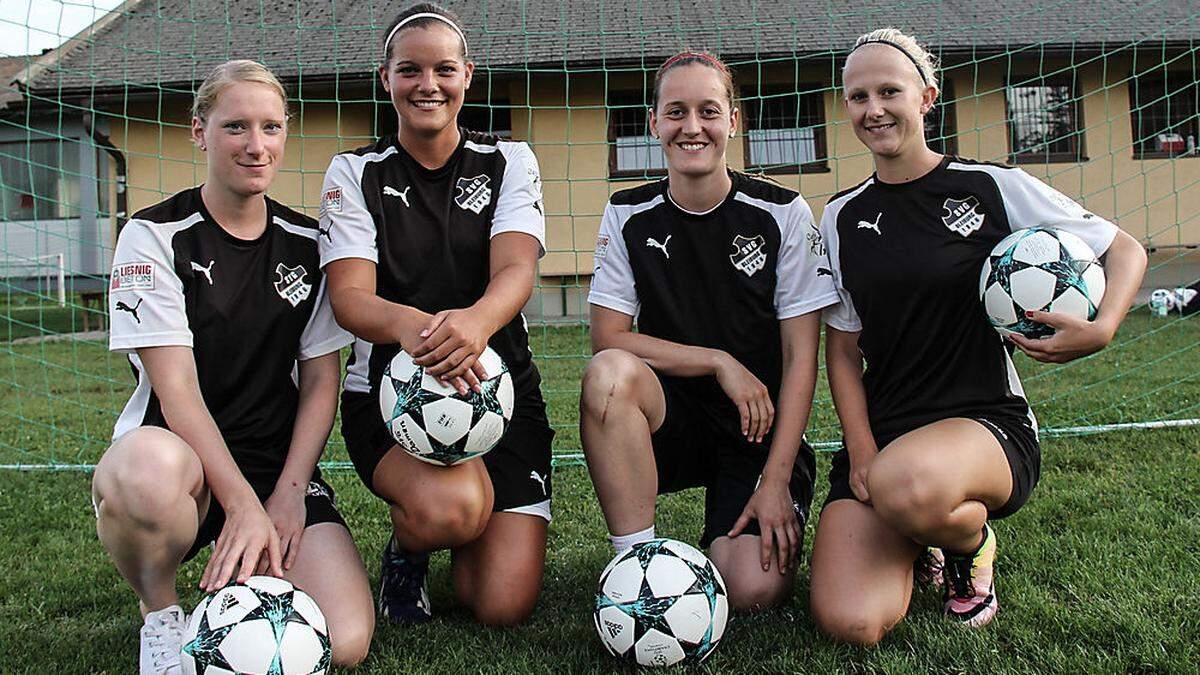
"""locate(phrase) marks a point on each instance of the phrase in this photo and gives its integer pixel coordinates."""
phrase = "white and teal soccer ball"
(265, 626)
(436, 424)
(660, 603)
(1039, 269)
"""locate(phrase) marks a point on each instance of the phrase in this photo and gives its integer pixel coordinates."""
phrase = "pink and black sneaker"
(969, 585)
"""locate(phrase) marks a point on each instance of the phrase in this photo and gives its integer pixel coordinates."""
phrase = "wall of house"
(1155, 200)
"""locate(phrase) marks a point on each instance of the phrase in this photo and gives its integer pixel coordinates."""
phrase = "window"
(1043, 120)
(632, 151)
(493, 117)
(39, 180)
(785, 129)
(1166, 116)
(941, 122)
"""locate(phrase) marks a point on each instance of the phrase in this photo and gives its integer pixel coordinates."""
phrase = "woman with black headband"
(939, 439)
(430, 240)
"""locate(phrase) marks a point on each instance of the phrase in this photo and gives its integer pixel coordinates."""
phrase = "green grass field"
(1098, 573)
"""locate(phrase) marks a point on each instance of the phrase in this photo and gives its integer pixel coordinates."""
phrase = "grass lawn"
(1097, 573)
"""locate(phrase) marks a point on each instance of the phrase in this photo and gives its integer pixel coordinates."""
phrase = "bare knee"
(908, 496)
(350, 641)
(850, 625)
(611, 376)
(508, 609)
(757, 591)
(447, 520)
(145, 474)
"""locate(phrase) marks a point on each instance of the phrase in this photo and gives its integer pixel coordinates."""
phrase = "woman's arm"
(1124, 266)
(613, 330)
(771, 503)
(844, 368)
(359, 310)
(248, 530)
(454, 338)
(314, 419)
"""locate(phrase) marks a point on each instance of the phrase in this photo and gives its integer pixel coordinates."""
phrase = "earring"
(203, 147)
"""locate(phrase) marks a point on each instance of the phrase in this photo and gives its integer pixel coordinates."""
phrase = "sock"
(624, 542)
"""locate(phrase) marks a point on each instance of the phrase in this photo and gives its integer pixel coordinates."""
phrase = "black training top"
(906, 259)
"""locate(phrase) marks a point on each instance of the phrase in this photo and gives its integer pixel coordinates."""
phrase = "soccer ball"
(1040, 269)
(659, 603)
(436, 424)
(265, 625)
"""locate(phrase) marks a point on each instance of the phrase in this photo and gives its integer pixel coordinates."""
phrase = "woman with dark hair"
(430, 241)
(714, 387)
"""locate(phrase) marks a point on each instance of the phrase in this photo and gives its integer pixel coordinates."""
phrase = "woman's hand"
(248, 534)
(1073, 338)
(860, 467)
(771, 505)
(750, 396)
(285, 507)
(453, 341)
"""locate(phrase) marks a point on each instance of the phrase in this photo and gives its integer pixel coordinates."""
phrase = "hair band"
(693, 55)
(423, 15)
(895, 46)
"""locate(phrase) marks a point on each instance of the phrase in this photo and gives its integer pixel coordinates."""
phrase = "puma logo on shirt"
(653, 243)
(393, 192)
(864, 225)
(132, 310)
(206, 271)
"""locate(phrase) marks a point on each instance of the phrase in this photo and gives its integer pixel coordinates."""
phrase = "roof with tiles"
(165, 43)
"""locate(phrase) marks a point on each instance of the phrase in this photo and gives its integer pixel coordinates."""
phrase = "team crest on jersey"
(816, 243)
(474, 193)
(749, 254)
(134, 276)
(962, 215)
(290, 285)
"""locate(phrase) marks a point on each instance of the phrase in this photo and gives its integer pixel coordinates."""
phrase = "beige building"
(1107, 115)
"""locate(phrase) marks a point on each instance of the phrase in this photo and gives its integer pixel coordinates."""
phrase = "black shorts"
(700, 444)
(319, 507)
(519, 465)
(1018, 440)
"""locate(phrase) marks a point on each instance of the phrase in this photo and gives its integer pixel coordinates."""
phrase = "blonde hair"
(232, 72)
(926, 63)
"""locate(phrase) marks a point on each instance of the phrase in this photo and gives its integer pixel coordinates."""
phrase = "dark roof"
(10, 67)
(174, 42)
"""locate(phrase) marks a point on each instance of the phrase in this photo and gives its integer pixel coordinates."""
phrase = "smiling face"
(886, 100)
(426, 76)
(244, 137)
(694, 119)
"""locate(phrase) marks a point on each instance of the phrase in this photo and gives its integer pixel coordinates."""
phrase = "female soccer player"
(939, 439)
(430, 239)
(715, 386)
(217, 296)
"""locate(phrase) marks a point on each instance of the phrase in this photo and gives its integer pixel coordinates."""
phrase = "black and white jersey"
(429, 233)
(721, 279)
(906, 259)
(248, 309)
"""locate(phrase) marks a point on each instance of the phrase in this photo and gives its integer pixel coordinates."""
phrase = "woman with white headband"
(430, 239)
(939, 439)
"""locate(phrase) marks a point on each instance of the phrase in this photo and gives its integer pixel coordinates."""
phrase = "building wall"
(1157, 200)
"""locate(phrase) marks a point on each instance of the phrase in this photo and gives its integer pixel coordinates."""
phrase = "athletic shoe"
(162, 638)
(927, 568)
(403, 593)
(970, 589)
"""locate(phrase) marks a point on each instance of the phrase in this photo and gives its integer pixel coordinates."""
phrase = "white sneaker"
(162, 638)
